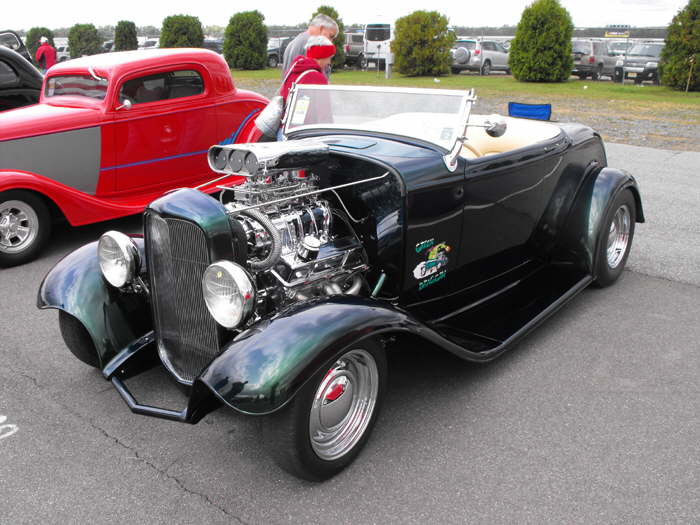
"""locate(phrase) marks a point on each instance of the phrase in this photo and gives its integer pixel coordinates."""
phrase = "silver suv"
(592, 58)
(483, 56)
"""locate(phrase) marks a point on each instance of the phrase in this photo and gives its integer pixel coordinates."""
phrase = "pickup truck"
(110, 133)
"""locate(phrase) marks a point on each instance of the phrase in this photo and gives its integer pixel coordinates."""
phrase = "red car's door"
(162, 139)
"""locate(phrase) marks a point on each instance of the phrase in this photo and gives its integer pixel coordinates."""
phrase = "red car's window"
(80, 85)
(162, 86)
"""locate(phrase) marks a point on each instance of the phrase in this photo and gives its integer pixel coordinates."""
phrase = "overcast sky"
(585, 13)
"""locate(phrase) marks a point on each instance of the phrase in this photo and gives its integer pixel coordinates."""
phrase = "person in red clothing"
(305, 69)
(45, 54)
(309, 69)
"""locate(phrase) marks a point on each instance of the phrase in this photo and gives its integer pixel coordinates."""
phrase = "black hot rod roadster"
(383, 212)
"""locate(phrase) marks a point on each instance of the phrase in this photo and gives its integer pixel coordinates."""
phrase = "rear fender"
(113, 318)
(593, 201)
(77, 207)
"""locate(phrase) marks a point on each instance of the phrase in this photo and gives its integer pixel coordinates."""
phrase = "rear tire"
(25, 226)
(615, 239)
(356, 381)
(456, 70)
(272, 61)
(486, 68)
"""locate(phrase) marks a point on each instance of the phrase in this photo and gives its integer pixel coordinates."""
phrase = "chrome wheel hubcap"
(343, 405)
(619, 236)
(18, 226)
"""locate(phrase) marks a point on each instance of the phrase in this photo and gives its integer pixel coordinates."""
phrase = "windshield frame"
(461, 118)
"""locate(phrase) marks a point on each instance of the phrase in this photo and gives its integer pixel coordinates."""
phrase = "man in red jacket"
(309, 69)
(45, 54)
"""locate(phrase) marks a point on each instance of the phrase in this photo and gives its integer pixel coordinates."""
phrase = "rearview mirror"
(495, 126)
(125, 105)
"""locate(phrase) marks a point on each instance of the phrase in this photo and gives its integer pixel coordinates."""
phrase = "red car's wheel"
(327, 423)
(25, 225)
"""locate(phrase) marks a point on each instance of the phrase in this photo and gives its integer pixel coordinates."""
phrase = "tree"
(680, 58)
(245, 41)
(33, 36)
(339, 40)
(181, 31)
(422, 43)
(83, 39)
(125, 36)
(541, 49)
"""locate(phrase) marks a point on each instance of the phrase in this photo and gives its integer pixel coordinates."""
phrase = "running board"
(492, 325)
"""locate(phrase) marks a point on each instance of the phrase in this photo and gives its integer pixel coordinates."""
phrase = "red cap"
(320, 51)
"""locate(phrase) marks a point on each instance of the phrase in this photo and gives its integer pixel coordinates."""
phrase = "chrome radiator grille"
(177, 257)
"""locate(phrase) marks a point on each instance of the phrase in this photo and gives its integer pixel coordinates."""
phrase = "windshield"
(432, 115)
(10, 40)
(76, 85)
(378, 32)
(583, 48)
(468, 44)
(645, 50)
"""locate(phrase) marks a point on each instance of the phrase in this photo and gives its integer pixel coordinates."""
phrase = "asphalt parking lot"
(594, 418)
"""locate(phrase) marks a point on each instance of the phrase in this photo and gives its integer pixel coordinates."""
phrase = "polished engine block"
(298, 244)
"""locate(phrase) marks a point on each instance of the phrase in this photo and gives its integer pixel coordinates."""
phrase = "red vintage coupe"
(111, 133)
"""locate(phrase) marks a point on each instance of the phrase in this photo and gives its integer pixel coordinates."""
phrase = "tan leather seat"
(519, 133)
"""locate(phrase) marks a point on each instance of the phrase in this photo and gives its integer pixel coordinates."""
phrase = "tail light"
(347, 48)
(591, 60)
(477, 51)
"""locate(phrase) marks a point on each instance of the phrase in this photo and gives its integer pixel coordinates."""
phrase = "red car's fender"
(79, 208)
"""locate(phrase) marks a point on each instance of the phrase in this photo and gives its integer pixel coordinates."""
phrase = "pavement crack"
(164, 472)
(662, 278)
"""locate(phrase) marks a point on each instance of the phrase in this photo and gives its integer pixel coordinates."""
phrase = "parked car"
(592, 58)
(275, 50)
(112, 132)
(483, 56)
(20, 81)
(108, 46)
(354, 47)
(214, 44)
(640, 63)
(62, 53)
(151, 43)
(398, 214)
(619, 48)
(377, 44)
(12, 40)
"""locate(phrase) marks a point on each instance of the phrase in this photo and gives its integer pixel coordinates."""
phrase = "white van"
(377, 46)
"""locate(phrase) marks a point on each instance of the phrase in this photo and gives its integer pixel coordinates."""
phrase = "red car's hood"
(41, 119)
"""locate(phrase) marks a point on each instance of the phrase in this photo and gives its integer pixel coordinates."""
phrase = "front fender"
(112, 318)
(262, 369)
(592, 203)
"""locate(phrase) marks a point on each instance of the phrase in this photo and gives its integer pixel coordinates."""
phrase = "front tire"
(615, 239)
(25, 225)
(77, 339)
(327, 423)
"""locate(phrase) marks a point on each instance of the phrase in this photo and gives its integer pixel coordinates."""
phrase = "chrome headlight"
(619, 63)
(651, 65)
(119, 258)
(229, 293)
